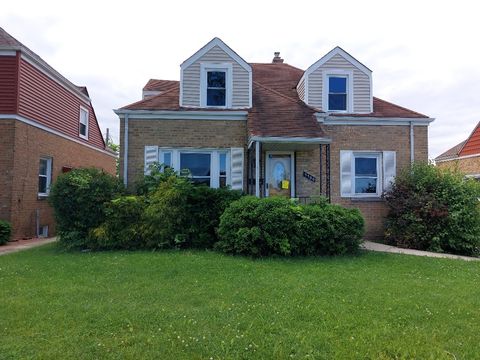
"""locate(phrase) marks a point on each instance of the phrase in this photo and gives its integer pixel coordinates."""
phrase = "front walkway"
(372, 246)
(19, 245)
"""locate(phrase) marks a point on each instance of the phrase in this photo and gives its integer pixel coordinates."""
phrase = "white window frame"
(214, 161)
(80, 122)
(348, 74)
(379, 157)
(225, 67)
(162, 156)
(48, 175)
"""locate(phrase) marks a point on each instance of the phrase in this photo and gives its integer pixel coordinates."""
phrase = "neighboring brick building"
(47, 126)
(464, 157)
(273, 129)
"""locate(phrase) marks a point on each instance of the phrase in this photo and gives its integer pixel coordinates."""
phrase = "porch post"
(327, 155)
(321, 172)
(257, 169)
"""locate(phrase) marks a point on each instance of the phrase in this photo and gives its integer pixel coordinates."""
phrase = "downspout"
(125, 153)
(412, 144)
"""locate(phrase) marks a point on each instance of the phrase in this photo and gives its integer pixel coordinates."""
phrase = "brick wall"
(7, 131)
(468, 166)
(30, 144)
(374, 138)
(177, 133)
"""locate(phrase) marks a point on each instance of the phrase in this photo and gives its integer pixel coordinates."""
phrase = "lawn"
(204, 305)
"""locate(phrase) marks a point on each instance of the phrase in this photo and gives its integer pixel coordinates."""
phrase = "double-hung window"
(337, 93)
(367, 174)
(44, 176)
(83, 123)
(216, 88)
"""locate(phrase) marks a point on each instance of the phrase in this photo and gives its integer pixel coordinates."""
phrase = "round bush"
(5, 231)
(78, 199)
(435, 210)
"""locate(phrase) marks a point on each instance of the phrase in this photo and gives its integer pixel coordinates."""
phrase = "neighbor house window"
(199, 166)
(337, 93)
(366, 174)
(216, 85)
(44, 176)
(83, 124)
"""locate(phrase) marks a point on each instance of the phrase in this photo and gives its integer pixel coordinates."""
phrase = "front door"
(279, 174)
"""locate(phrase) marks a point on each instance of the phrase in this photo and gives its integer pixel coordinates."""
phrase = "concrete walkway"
(20, 245)
(372, 246)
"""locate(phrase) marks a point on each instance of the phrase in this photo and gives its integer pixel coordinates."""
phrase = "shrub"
(326, 229)
(278, 226)
(122, 227)
(5, 231)
(78, 199)
(258, 227)
(158, 174)
(433, 209)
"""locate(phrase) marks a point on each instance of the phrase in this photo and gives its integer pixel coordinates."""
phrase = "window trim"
(80, 122)
(48, 175)
(370, 154)
(348, 74)
(204, 69)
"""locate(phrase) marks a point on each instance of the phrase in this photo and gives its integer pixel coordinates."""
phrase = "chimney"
(276, 58)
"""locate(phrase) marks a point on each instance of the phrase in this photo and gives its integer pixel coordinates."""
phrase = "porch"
(295, 167)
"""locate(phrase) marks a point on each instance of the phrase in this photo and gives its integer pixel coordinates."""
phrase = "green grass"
(202, 305)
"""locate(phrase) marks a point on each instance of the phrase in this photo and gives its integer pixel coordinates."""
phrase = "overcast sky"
(424, 55)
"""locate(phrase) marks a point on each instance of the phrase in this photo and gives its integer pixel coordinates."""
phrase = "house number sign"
(309, 176)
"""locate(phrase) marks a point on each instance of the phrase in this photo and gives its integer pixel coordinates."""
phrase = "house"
(47, 126)
(464, 157)
(272, 129)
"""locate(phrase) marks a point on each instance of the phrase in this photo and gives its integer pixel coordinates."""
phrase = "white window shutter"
(151, 157)
(346, 176)
(389, 169)
(236, 172)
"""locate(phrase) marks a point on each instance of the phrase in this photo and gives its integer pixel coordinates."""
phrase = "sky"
(424, 55)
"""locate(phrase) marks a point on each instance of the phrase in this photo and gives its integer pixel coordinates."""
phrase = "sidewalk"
(372, 246)
(19, 245)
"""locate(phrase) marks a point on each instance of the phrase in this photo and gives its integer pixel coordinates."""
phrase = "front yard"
(203, 305)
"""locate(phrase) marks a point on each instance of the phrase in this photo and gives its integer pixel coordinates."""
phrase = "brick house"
(274, 129)
(47, 126)
(464, 157)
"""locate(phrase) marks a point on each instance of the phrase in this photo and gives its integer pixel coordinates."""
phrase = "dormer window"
(337, 93)
(216, 85)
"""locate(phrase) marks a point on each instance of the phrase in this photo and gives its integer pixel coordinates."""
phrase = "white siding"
(301, 89)
(240, 79)
(361, 84)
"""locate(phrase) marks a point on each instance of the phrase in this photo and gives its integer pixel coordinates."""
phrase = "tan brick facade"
(26, 144)
(468, 166)
(177, 134)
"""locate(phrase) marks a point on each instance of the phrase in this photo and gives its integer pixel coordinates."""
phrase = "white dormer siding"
(216, 55)
(338, 63)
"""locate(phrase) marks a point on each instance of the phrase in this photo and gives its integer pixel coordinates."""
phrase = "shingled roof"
(451, 153)
(276, 111)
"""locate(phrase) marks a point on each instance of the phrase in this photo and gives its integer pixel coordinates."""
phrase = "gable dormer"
(337, 83)
(215, 77)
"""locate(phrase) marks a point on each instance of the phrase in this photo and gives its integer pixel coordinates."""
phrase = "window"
(216, 85)
(44, 176)
(199, 165)
(337, 93)
(366, 174)
(83, 125)
(222, 180)
(216, 88)
(166, 158)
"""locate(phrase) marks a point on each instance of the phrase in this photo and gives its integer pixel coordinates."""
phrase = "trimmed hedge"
(5, 231)
(435, 210)
(278, 226)
(78, 199)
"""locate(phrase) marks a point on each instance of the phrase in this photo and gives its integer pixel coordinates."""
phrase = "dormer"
(337, 83)
(216, 77)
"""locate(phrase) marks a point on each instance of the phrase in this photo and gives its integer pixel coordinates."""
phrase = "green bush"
(122, 227)
(78, 199)
(158, 174)
(326, 229)
(278, 226)
(5, 231)
(435, 210)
